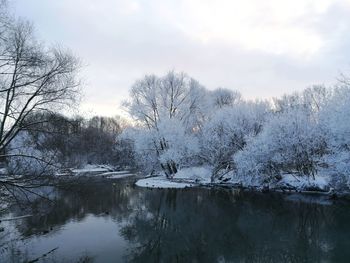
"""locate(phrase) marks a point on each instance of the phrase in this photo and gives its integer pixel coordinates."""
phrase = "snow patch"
(3, 171)
(89, 168)
(162, 182)
(186, 177)
(105, 171)
(195, 174)
(117, 175)
(303, 183)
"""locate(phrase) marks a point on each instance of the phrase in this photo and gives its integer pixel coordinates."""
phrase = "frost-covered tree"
(166, 107)
(180, 124)
(290, 142)
(177, 147)
(221, 97)
(26, 157)
(141, 141)
(311, 100)
(335, 118)
(227, 131)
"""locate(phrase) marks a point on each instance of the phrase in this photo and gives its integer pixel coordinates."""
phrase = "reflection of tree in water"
(76, 202)
(96, 197)
(208, 226)
(205, 225)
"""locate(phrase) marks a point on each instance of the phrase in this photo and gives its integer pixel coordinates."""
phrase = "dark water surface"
(114, 221)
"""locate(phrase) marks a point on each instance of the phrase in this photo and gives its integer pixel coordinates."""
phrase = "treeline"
(57, 141)
(181, 124)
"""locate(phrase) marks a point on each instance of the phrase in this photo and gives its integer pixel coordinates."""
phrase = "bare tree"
(33, 78)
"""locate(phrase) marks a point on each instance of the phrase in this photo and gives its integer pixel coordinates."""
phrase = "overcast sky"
(261, 48)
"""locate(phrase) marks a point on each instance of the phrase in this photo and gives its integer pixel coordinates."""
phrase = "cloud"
(262, 48)
(272, 26)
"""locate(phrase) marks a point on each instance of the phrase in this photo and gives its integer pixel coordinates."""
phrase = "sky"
(261, 48)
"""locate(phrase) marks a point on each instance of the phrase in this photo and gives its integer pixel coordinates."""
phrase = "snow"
(90, 168)
(3, 205)
(117, 175)
(97, 170)
(195, 174)
(187, 177)
(162, 182)
(302, 182)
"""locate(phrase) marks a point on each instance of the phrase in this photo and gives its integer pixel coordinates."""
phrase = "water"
(114, 221)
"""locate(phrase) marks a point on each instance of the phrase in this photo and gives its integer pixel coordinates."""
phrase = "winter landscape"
(162, 132)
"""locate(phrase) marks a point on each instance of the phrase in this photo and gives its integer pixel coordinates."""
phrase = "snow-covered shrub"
(226, 132)
(141, 141)
(176, 145)
(168, 147)
(336, 120)
(291, 142)
(24, 158)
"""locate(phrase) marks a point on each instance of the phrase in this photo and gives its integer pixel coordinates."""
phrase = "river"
(112, 220)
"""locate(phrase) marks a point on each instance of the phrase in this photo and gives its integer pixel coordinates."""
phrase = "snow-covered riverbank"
(96, 170)
(188, 177)
(201, 176)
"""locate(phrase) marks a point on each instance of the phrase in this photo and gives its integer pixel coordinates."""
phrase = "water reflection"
(113, 221)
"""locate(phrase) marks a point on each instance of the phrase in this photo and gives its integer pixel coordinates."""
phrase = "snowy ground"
(93, 169)
(162, 182)
(190, 177)
(96, 170)
(117, 175)
(195, 174)
(304, 183)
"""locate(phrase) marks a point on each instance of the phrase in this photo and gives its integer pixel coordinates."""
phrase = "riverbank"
(95, 170)
(201, 177)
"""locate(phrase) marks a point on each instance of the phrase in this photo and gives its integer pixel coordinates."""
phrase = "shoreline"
(159, 182)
